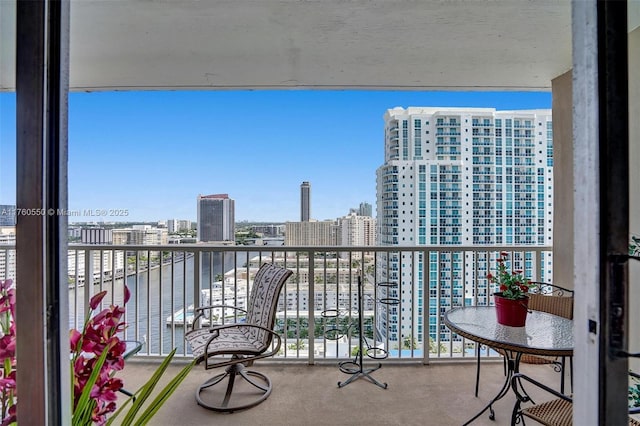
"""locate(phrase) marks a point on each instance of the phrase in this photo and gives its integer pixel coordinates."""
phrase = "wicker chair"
(555, 412)
(558, 301)
(552, 299)
(237, 345)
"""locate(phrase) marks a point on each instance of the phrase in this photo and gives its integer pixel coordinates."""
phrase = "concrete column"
(562, 106)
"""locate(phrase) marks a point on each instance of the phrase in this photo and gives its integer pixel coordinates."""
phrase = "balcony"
(351, 42)
(163, 281)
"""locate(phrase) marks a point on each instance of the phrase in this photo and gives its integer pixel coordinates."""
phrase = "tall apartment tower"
(459, 177)
(305, 201)
(365, 209)
(357, 230)
(7, 215)
(216, 218)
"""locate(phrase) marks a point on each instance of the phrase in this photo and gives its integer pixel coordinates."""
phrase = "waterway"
(155, 296)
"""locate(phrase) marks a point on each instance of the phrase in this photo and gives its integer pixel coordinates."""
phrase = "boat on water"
(180, 316)
(215, 298)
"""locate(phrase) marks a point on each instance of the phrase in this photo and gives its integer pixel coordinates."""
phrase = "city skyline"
(150, 154)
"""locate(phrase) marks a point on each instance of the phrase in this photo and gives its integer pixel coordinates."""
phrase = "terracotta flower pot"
(511, 312)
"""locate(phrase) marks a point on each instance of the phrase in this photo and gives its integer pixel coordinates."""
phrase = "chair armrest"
(556, 288)
(215, 331)
(204, 308)
(200, 312)
(521, 394)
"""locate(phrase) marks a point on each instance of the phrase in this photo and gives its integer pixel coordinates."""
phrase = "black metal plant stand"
(356, 367)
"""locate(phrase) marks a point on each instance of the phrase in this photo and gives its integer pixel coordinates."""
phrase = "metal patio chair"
(554, 412)
(237, 345)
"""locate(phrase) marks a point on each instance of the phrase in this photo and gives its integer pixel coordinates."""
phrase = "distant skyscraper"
(311, 233)
(96, 236)
(7, 256)
(216, 218)
(365, 209)
(357, 230)
(460, 177)
(7, 215)
(305, 202)
(178, 225)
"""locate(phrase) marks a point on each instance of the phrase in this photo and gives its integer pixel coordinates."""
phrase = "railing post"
(197, 272)
(426, 311)
(311, 308)
(88, 281)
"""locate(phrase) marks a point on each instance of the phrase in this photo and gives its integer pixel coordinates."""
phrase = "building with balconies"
(463, 176)
(311, 233)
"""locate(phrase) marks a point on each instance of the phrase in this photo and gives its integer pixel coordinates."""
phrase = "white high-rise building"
(7, 255)
(357, 230)
(175, 226)
(140, 235)
(460, 177)
(311, 233)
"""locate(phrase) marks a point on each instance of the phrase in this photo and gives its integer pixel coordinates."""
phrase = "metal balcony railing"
(166, 282)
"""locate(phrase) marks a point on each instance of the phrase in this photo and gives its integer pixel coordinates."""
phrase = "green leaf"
(82, 412)
(164, 395)
(145, 391)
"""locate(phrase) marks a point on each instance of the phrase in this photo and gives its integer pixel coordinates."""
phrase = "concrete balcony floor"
(437, 394)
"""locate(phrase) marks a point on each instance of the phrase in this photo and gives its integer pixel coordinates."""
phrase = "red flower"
(99, 334)
(8, 394)
(512, 284)
(7, 347)
(96, 299)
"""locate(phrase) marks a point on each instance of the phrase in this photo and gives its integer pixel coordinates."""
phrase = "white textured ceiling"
(268, 44)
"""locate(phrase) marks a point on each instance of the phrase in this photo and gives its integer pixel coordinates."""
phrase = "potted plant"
(512, 298)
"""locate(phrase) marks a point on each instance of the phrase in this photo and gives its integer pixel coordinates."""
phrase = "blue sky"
(152, 153)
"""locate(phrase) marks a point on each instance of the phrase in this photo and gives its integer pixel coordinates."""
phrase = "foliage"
(96, 354)
(134, 416)
(634, 246)
(433, 347)
(8, 395)
(634, 393)
(512, 285)
(409, 342)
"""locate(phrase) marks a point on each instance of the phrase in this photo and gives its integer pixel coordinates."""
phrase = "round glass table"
(543, 334)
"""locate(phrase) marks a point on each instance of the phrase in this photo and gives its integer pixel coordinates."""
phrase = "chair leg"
(256, 379)
(478, 368)
(571, 372)
(562, 373)
(129, 394)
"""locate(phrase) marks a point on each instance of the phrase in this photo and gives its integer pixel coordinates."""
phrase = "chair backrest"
(553, 300)
(263, 300)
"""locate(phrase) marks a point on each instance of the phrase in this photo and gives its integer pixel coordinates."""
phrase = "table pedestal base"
(512, 368)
